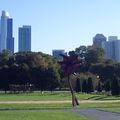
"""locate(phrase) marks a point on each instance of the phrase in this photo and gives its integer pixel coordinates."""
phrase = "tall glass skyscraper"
(112, 48)
(25, 38)
(6, 32)
(10, 39)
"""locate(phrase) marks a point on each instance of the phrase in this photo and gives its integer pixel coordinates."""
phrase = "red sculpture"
(68, 66)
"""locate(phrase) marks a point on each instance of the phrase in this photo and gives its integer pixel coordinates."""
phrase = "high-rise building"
(25, 38)
(117, 50)
(112, 38)
(98, 39)
(112, 48)
(3, 29)
(6, 32)
(10, 39)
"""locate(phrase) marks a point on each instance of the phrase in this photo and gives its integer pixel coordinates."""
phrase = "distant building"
(112, 48)
(112, 38)
(98, 40)
(10, 39)
(6, 32)
(25, 38)
(57, 53)
(117, 50)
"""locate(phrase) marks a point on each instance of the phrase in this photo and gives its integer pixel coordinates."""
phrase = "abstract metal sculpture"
(68, 66)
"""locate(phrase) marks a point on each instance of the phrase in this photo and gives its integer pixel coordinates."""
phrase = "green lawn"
(32, 111)
(34, 105)
(117, 110)
(40, 115)
(17, 111)
(53, 96)
(100, 105)
(58, 105)
(36, 96)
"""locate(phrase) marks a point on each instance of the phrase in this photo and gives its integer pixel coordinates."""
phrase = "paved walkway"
(88, 112)
(96, 114)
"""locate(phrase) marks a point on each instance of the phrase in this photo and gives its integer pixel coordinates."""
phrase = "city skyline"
(64, 24)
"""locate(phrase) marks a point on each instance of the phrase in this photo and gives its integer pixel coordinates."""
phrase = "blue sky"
(63, 24)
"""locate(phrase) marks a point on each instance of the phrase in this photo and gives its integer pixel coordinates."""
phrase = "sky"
(63, 24)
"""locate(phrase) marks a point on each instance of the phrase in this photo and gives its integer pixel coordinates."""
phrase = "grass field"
(53, 96)
(37, 96)
(40, 115)
(58, 105)
(38, 111)
(116, 110)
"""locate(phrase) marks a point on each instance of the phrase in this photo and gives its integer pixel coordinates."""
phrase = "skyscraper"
(10, 39)
(117, 52)
(112, 48)
(6, 27)
(25, 38)
(3, 29)
(98, 39)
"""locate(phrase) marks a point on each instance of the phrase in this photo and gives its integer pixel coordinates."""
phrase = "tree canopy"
(35, 68)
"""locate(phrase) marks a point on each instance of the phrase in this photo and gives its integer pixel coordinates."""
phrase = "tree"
(81, 51)
(99, 87)
(4, 57)
(46, 76)
(4, 78)
(115, 88)
(52, 80)
(78, 85)
(90, 87)
(107, 86)
(94, 55)
(105, 71)
(84, 86)
(89, 55)
(24, 68)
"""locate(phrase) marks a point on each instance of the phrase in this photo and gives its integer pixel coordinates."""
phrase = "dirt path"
(96, 114)
(56, 101)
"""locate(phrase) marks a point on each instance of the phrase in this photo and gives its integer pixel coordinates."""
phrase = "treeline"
(107, 71)
(28, 68)
(86, 86)
(44, 73)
